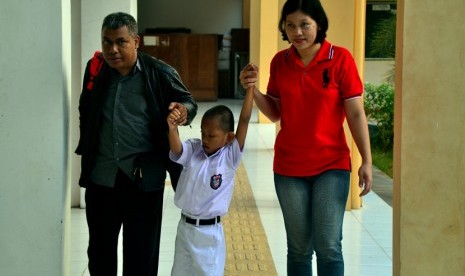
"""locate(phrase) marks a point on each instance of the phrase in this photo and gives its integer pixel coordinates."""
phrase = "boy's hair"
(224, 114)
(117, 20)
(311, 8)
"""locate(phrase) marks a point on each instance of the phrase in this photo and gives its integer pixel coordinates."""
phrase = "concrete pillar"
(34, 115)
(245, 13)
(263, 40)
(429, 142)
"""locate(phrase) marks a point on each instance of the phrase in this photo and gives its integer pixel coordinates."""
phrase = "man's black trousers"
(140, 214)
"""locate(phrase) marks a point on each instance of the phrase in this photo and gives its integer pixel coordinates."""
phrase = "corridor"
(367, 232)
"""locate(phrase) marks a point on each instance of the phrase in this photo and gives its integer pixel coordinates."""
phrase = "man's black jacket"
(163, 86)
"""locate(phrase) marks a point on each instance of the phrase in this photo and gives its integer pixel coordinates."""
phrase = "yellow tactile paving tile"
(247, 250)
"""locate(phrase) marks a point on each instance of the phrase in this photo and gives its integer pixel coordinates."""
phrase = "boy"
(205, 187)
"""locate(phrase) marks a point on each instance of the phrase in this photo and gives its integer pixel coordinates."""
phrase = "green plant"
(379, 107)
(382, 159)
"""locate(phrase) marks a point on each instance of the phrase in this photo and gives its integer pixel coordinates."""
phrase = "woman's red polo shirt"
(312, 139)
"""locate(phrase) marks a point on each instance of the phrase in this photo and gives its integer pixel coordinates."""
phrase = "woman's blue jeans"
(313, 210)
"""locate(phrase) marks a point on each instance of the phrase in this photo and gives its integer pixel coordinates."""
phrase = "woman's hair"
(224, 114)
(117, 20)
(311, 8)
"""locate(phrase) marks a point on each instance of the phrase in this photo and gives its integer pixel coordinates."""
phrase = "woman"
(313, 87)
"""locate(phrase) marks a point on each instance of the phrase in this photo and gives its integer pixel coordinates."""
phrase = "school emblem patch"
(215, 181)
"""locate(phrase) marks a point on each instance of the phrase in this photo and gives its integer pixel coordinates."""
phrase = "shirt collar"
(326, 52)
(138, 66)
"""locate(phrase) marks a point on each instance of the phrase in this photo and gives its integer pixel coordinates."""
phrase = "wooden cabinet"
(194, 56)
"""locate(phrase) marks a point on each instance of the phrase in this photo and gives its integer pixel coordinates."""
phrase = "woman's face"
(301, 30)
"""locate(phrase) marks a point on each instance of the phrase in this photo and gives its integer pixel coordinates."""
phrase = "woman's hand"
(365, 178)
(249, 75)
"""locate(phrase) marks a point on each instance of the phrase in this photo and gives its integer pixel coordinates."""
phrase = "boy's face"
(213, 136)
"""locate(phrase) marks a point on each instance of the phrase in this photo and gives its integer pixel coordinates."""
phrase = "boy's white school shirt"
(206, 183)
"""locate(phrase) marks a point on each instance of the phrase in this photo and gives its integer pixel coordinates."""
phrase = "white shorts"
(199, 250)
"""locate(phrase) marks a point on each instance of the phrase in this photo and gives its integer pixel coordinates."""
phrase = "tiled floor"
(367, 242)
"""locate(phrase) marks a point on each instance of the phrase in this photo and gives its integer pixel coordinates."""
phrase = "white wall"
(201, 16)
(377, 70)
(76, 83)
(92, 15)
(40, 81)
(34, 93)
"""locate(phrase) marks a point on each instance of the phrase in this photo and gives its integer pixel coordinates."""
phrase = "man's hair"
(224, 114)
(311, 8)
(117, 20)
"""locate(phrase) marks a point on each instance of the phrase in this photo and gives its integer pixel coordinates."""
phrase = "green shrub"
(379, 107)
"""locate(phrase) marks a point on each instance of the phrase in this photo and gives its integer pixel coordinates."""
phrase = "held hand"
(249, 75)
(172, 119)
(365, 178)
(181, 117)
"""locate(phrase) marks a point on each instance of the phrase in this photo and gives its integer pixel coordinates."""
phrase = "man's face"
(120, 49)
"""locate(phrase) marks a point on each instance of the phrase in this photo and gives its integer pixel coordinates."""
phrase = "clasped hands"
(249, 75)
(178, 114)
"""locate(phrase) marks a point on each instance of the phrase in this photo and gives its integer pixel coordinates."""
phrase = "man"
(124, 148)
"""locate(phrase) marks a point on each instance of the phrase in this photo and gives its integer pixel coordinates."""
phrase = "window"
(377, 11)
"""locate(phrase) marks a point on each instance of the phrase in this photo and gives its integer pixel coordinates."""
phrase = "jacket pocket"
(150, 172)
